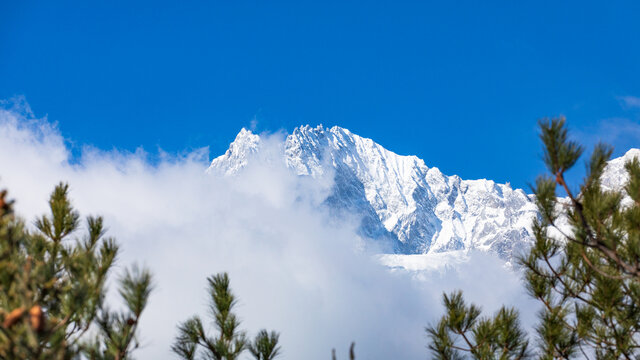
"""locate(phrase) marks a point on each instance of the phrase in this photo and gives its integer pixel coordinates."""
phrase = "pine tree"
(352, 352)
(230, 342)
(117, 329)
(462, 330)
(586, 275)
(265, 345)
(53, 286)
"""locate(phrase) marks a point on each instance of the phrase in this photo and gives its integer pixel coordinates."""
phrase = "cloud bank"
(294, 268)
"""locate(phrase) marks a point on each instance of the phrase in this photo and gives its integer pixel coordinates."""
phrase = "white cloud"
(294, 270)
(630, 101)
(622, 133)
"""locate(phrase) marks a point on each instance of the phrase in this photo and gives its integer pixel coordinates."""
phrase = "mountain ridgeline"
(404, 205)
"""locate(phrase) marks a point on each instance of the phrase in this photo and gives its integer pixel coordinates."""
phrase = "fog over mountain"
(284, 217)
(405, 206)
(295, 266)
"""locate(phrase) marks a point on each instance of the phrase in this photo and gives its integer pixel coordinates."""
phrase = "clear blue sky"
(460, 84)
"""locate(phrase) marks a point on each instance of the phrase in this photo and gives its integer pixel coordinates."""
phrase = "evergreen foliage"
(265, 345)
(230, 342)
(586, 273)
(462, 329)
(352, 352)
(53, 287)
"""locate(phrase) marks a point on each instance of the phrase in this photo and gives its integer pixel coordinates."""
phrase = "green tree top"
(584, 268)
(54, 287)
(193, 340)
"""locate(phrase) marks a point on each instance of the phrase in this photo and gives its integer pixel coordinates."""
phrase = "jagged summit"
(236, 157)
(411, 207)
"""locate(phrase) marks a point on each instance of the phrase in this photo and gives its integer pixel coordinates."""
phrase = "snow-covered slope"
(238, 154)
(615, 176)
(403, 203)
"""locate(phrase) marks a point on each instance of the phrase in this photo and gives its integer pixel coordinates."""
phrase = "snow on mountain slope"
(403, 203)
(237, 156)
(615, 176)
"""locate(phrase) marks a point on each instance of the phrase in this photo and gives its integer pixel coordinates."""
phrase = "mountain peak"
(632, 153)
(615, 174)
(308, 128)
(246, 135)
(404, 205)
(237, 156)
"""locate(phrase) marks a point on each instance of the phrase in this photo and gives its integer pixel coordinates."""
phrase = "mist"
(294, 267)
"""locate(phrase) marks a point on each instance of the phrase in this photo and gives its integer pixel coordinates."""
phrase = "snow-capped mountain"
(413, 208)
(615, 176)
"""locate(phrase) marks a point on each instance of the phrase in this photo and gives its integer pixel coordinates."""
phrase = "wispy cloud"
(293, 271)
(622, 133)
(630, 101)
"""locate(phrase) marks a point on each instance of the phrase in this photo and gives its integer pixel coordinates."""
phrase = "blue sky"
(460, 84)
